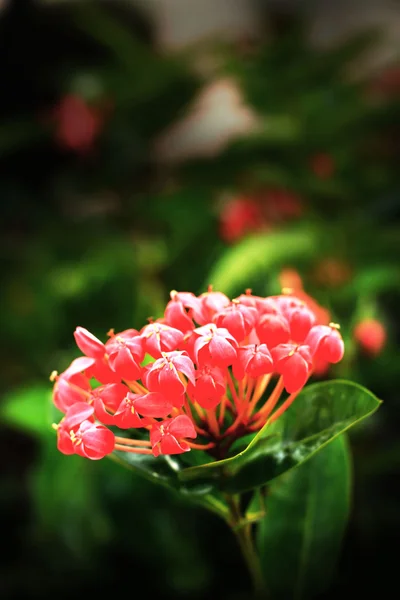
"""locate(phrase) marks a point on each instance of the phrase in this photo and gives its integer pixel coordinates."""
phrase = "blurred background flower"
(155, 145)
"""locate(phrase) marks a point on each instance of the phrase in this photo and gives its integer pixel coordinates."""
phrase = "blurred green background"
(127, 169)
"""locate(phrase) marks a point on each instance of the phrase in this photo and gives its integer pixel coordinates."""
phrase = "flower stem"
(269, 406)
(131, 442)
(123, 448)
(244, 535)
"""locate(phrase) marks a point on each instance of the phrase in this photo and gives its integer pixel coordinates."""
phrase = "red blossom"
(214, 346)
(299, 316)
(108, 398)
(101, 371)
(78, 434)
(168, 436)
(73, 385)
(273, 329)
(159, 338)
(99, 367)
(238, 319)
(294, 363)
(253, 360)
(125, 352)
(88, 343)
(209, 304)
(164, 376)
(248, 299)
(290, 279)
(179, 310)
(325, 343)
(371, 335)
(209, 387)
(134, 409)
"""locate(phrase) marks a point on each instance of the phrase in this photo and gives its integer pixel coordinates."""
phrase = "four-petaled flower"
(78, 433)
(168, 436)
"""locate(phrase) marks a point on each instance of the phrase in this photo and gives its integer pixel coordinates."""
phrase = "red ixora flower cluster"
(201, 370)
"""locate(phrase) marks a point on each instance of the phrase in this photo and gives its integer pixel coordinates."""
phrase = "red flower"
(273, 329)
(88, 343)
(209, 304)
(290, 279)
(298, 315)
(125, 352)
(178, 311)
(209, 387)
(108, 398)
(94, 348)
(294, 363)
(101, 371)
(238, 319)
(164, 376)
(78, 434)
(133, 409)
(214, 346)
(159, 338)
(325, 343)
(248, 299)
(371, 335)
(167, 437)
(253, 360)
(72, 386)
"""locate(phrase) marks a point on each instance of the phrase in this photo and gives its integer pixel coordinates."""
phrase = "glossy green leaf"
(320, 414)
(306, 514)
(259, 254)
(164, 470)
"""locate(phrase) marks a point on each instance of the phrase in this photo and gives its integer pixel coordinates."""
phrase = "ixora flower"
(211, 368)
(371, 335)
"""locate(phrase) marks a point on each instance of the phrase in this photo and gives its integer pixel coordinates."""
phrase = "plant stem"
(244, 536)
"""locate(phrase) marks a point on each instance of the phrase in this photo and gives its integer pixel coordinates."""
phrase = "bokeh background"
(168, 144)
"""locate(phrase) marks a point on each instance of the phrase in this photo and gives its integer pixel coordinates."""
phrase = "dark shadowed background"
(153, 146)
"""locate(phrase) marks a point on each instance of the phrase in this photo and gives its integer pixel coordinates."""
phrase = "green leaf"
(306, 515)
(319, 415)
(260, 254)
(164, 470)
